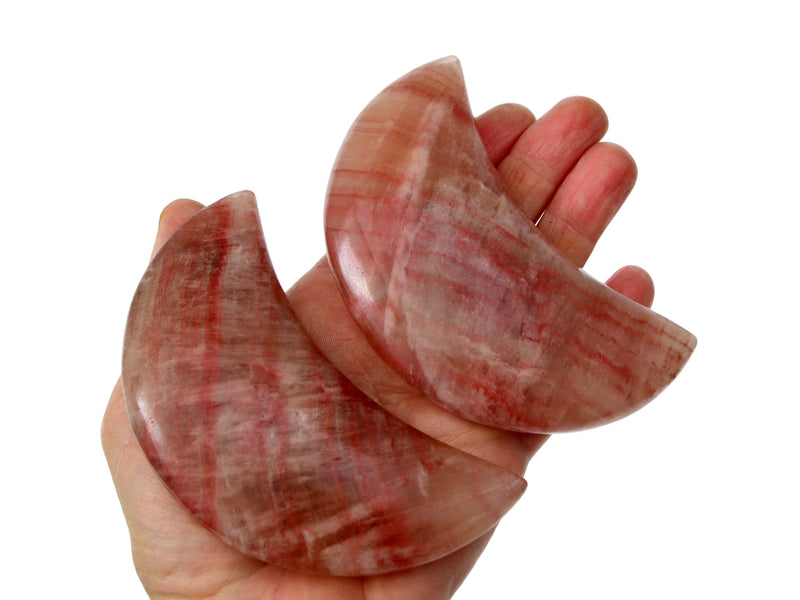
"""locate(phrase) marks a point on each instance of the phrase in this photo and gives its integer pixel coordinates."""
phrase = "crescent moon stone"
(263, 440)
(457, 290)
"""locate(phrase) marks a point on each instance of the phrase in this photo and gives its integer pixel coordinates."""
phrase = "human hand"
(564, 179)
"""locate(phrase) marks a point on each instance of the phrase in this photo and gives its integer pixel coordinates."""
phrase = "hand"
(571, 185)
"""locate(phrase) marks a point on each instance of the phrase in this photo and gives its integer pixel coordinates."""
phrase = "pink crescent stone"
(263, 440)
(456, 289)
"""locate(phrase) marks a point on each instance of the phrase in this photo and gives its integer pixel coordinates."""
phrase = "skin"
(568, 182)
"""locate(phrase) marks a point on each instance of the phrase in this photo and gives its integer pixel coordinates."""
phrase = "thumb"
(174, 215)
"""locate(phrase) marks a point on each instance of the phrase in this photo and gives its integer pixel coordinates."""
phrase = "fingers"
(175, 214)
(548, 149)
(560, 174)
(501, 127)
(587, 200)
(635, 283)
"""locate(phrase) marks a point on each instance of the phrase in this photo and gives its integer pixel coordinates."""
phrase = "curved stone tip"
(240, 197)
(445, 72)
(447, 61)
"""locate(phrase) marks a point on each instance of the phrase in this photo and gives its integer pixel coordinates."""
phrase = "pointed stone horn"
(457, 290)
(263, 440)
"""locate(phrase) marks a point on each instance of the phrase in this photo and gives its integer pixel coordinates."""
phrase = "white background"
(110, 110)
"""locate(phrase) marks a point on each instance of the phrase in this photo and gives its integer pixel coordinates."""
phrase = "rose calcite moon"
(456, 289)
(260, 437)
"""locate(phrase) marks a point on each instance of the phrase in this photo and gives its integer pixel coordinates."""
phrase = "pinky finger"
(635, 283)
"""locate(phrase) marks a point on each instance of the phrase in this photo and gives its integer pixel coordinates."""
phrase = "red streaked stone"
(457, 290)
(263, 440)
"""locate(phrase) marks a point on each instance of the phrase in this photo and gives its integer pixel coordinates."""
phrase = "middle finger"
(547, 151)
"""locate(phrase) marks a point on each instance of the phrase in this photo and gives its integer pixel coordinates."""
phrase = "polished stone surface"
(263, 440)
(455, 287)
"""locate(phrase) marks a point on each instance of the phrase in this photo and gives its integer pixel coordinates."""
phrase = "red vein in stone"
(214, 319)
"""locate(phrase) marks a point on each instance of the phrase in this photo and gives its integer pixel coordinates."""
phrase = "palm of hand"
(566, 181)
